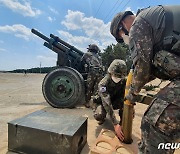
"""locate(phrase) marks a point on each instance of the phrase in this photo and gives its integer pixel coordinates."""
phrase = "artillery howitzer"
(64, 86)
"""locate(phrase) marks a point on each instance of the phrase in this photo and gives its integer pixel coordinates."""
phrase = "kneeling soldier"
(111, 94)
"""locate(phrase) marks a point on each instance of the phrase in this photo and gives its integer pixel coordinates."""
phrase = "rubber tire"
(78, 96)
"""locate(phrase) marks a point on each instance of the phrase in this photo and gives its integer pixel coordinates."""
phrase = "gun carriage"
(64, 86)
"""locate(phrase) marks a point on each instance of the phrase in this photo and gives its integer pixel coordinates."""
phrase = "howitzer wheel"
(64, 88)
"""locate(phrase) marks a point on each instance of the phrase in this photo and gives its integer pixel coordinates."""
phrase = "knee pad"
(99, 117)
(97, 100)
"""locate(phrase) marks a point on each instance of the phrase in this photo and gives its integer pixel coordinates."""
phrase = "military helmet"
(93, 48)
(118, 68)
(114, 28)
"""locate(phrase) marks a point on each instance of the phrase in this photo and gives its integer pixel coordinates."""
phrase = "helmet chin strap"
(125, 31)
(124, 39)
(124, 28)
(125, 36)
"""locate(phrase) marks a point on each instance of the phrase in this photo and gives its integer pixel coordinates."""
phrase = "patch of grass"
(150, 87)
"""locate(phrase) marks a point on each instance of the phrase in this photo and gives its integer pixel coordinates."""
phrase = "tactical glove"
(132, 98)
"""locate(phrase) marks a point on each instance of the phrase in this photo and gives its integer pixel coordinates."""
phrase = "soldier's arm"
(106, 102)
(100, 61)
(141, 46)
(86, 56)
(83, 57)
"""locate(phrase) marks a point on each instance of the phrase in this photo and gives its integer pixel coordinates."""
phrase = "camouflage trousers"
(100, 112)
(93, 80)
(161, 121)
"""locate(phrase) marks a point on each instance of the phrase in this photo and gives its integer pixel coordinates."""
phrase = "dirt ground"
(21, 94)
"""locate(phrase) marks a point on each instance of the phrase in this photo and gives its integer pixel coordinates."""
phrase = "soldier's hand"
(132, 98)
(118, 131)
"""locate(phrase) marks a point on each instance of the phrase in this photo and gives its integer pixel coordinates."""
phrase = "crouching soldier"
(111, 95)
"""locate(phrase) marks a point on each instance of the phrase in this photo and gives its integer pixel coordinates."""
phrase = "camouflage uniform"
(95, 72)
(161, 121)
(111, 96)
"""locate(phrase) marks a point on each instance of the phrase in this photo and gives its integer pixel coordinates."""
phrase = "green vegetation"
(150, 87)
(118, 51)
(34, 70)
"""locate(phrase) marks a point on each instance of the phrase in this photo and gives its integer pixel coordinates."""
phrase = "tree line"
(34, 70)
(118, 51)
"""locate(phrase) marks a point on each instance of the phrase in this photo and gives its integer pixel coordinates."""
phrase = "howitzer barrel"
(67, 54)
(58, 43)
(58, 49)
(40, 35)
(66, 44)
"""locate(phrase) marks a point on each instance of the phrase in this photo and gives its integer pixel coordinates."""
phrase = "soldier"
(95, 70)
(154, 40)
(111, 94)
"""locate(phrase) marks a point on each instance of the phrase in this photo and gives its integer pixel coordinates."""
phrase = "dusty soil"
(21, 95)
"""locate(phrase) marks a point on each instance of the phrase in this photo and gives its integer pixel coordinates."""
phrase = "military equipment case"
(47, 133)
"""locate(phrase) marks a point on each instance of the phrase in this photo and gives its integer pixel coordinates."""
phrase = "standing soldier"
(94, 69)
(154, 41)
(111, 95)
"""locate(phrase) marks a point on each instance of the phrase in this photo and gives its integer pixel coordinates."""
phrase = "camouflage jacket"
(142, 40)
(145, 35)
(109, 92)
(92, 59)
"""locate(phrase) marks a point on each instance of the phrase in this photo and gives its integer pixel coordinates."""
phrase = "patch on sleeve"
(102, 89)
